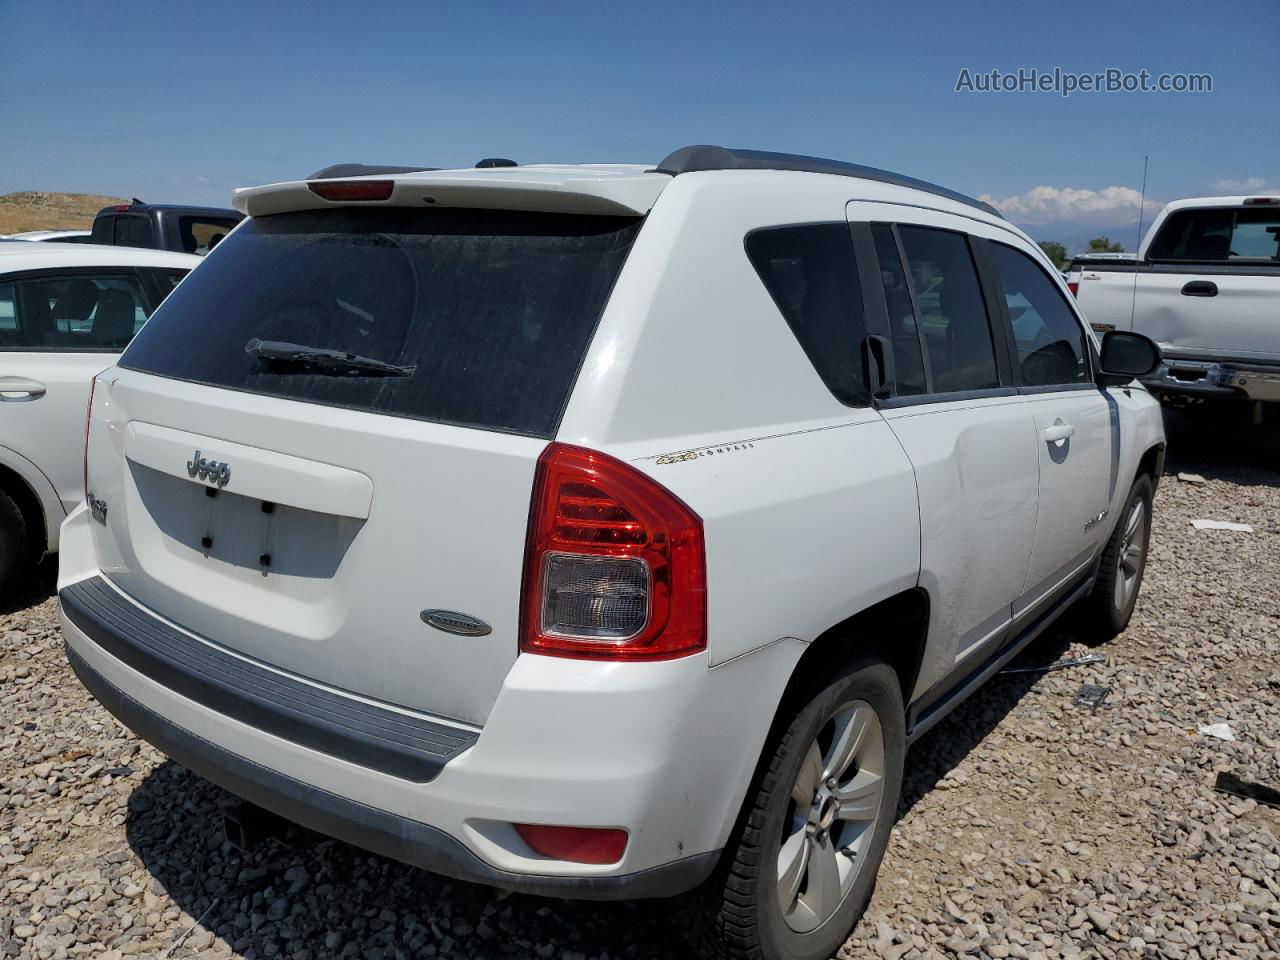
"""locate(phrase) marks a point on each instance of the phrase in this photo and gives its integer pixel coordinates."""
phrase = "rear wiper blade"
(281, 352)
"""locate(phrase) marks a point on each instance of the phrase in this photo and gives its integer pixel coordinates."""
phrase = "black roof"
(183, 208)
(702, 157)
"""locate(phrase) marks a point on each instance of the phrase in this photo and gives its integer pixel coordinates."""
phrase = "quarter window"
(950, 310)
(1050, 342)
(812, 276)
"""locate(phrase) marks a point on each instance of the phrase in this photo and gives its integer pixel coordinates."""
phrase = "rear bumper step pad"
(372, 736)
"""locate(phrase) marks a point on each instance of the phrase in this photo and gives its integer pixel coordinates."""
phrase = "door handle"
(1200, 288)
(1059, 433)
(20, 389)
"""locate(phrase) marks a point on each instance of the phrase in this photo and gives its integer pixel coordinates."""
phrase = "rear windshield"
(493, 309)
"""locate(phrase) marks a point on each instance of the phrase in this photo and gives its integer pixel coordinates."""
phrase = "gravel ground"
(1029, 827)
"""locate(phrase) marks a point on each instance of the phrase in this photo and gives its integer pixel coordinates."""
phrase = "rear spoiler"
(617, 191)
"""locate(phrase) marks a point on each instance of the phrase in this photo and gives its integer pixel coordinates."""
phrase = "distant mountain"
(40, 210)
(1075, 236)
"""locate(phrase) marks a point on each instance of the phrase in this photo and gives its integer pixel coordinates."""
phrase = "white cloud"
(1245, 185)
(1053, 204)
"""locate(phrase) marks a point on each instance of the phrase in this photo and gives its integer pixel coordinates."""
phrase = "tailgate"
(321, 569)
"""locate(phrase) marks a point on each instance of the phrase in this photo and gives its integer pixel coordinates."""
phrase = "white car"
(52, 236)
(607, 530)
(66, 311)
(1204, 285)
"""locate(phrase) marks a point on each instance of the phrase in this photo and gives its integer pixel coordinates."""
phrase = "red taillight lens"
(88, 416)
(344, 190)
(1074, 288)
(615, 566)
(576, 844)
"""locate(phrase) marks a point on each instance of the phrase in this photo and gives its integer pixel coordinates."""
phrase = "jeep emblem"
(211, 470)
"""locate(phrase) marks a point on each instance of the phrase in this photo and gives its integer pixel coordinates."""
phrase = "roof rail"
(361, 170)
(701, 157)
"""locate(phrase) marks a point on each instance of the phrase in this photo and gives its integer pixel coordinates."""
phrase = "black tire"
(14, 545)
(737, 913)
(1107, 608)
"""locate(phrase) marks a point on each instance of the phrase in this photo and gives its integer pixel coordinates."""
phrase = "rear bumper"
(379, 831)
(1209, 379)
(663, 750)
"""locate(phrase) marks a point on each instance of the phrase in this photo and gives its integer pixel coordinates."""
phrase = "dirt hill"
(38, 210)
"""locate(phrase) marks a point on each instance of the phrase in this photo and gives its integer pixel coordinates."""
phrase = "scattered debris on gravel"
(1029, 828)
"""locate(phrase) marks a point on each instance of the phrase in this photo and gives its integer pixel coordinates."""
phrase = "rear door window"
(904, 331)
(811, 274)
(1049, 340)
(950, 309)
(492, 310)
(78, 313)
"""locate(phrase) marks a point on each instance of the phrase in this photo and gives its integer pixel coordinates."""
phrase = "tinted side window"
(1194, 235)
(952, 314)
(811, 274)
(72, 313)
(1051, 346)
(133, 231)
(904, 333)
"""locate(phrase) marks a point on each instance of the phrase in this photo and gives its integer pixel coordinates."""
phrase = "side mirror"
(1126, 356)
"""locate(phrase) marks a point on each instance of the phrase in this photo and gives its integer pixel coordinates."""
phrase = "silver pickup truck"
(1205, 285)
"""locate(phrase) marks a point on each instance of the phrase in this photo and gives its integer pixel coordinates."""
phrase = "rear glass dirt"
(493, 309)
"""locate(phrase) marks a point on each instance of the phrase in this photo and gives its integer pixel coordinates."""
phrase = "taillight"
(615, 566)
(575, 844)
(88, 415)
(345, 190)
(1074, 287)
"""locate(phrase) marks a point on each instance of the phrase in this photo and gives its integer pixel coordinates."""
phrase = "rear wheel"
(1124, 560)
(803, 863)
(14, 547)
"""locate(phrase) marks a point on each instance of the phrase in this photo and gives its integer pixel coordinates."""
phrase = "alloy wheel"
(834, 804)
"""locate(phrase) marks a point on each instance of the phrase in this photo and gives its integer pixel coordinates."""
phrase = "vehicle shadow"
(298, 890)
(305, 891)
(1223, 444)
(35, 588)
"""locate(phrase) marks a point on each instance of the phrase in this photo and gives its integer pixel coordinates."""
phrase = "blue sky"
(175, 101)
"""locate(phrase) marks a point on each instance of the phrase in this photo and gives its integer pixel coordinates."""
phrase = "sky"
(178, 102)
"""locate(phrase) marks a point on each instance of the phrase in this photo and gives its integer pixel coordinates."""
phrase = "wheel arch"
(16, 488)
(894, 630)
(1151, 464)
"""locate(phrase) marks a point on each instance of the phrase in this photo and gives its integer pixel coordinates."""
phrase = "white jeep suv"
(602, 531)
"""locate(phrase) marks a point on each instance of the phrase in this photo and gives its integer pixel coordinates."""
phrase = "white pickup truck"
(1205, 285)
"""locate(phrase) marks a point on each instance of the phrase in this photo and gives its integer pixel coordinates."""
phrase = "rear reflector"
(615, 567)
(346, 190)
(575, 844)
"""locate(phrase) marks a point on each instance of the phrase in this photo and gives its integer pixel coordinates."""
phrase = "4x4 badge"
(210, 470)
